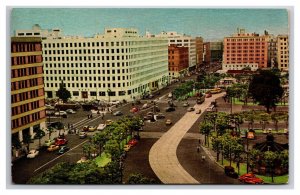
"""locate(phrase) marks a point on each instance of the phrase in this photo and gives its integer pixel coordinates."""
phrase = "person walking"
(198, 149)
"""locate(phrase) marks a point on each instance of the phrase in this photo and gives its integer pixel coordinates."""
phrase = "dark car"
(160, 116)
(229, 171)
(63, 149)
(170, 109)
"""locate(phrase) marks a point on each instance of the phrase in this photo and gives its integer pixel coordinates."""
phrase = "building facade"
(283, 52)
(36, 31)
(116, 65)
(272, 51)
(245, 49)
(178, 61)
(27, 87)
(213, 52)
(199, 51)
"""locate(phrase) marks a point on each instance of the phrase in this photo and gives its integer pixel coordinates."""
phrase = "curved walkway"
(162, 156)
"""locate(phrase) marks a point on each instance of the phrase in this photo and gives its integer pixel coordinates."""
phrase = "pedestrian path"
(162, 156)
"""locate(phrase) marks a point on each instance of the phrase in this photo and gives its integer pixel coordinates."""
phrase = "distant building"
(283, 52)
(36, 31)
(213, 52)
(245, 50)
(116, 65)
(199, 51)
(178, 61)
(272, 51)
(27, 87)
(181, 40)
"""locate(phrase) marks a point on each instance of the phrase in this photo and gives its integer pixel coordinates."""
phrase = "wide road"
(162, 157)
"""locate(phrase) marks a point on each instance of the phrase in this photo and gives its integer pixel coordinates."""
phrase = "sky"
(211, 24)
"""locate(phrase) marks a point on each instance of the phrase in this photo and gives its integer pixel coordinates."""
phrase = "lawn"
(236, 101)
(243, 169)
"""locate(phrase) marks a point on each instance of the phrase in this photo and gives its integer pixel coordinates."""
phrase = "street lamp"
(108, 93)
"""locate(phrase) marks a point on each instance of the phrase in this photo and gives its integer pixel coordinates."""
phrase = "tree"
(50, 130)
(265, 88)
(27, 140)
(270, 158)
(284, 159)
(137, 178)
(254, 156)
(63, 93)
(100, 139)
(264, 118)
(205, 129)
(39, 135)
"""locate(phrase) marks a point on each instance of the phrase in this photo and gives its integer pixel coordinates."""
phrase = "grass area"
(103, 159)
(260, 131)
(236, 101)
(243, 169)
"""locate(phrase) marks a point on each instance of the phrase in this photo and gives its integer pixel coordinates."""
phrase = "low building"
(178, 61)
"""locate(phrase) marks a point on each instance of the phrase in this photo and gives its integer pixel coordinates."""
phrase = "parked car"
(101, 127)
(61, 141)
(61, 113)
(132, 142)
(168, 122)
(49, 142)
(208, 95)
(199, 111)
(32, 153)
(170, 95)
(127, 147)
(134, 109)
(50, 112)
(118, 113)
(114, 102)
(170, 109)
(108, 122)
(145, 106)
(186, 104)
(229, 171)
(70, 111)
(191, 109)
(92, 128)
(150, 113)
(63, 149)
(160, 116)
(52, 148)
(250, 178)
(148, 117)
(82, 135)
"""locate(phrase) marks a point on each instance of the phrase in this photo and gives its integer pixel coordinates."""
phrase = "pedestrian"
(68, 125)
(88, 116)
(199, 141)
(198, 149)
(102, 117)
(91, 116)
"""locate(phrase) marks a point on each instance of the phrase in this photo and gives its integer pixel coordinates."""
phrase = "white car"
(101, 127)
(115, 102)
(70, 111)
(60, 113)
(32, 153)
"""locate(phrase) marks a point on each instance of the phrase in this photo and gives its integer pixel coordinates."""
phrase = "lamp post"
(247, 152)
(108, 93)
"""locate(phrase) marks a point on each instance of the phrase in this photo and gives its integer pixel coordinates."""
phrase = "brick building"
(178, 61)
(27, 87)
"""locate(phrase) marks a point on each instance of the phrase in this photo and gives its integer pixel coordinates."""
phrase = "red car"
(250, 178)
(132, 142)
(60, 142)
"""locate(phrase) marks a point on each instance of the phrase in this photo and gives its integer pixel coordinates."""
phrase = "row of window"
(245, 39)
(85, 44)
(245, 55)
(257, 59)
(25, 47)
(26, 60)
(85, 58)
(104, 72)
(85, 51)
(89, 85)
(25, 107)
(25, 96)
(26, 71)
(85, 65)
(25, 120)
(24, 84)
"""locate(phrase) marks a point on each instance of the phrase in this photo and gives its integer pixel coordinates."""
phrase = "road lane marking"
(59, 156)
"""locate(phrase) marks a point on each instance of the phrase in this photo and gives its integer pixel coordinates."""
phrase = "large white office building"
(116, 65)
(180, 40)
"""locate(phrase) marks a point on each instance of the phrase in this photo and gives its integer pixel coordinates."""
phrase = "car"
(160, 116)
(229, 171)
(148, 117)
(82, 160)
(50, 112)
(63, 149)
(118, 113)
(61, 113)
(92, 128)
(101, 127)
(208, 95)
(127, 147)
(186, 104)
(250, 178)
(32, 153)
(170, 95)
(150, 113)
(150, 96)
(216, 90)
(61, 141)
(82, 135)
(145, 106)
(168, 122)
(132, 142)
(170, 109)
(108, 122)
(49, 142)
(134, 109)
(85, 128)
(199, 111)
(52, 148)
(114, 102)
(191, 109)
(70, 111)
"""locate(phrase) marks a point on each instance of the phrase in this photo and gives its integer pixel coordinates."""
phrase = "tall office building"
(199, 51)
(27, 87)
(283, 52)
(116, 65)
(178, 61)
(245, 50)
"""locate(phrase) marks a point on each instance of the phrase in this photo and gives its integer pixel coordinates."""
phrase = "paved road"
(162, 157)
